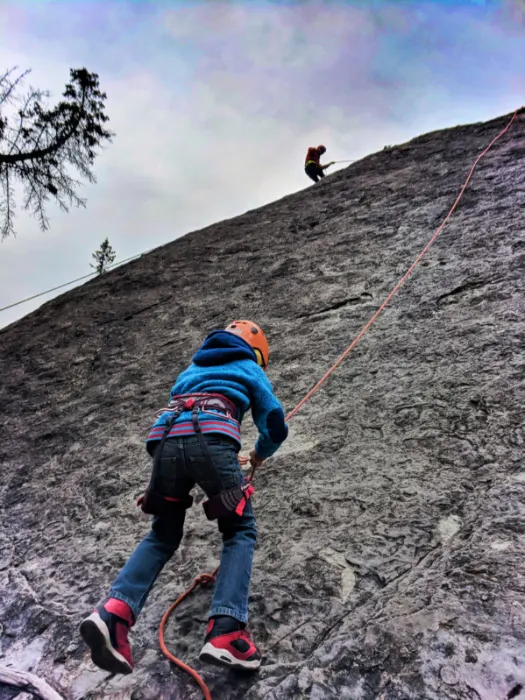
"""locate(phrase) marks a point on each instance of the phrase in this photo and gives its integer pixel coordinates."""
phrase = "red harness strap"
(248, 492)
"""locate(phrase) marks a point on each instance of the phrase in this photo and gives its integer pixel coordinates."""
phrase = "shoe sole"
(223, 657)
(96, 635)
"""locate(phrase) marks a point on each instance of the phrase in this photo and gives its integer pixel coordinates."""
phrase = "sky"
(215, 103)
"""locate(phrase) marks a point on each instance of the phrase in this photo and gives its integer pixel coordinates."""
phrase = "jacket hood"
(221, 347)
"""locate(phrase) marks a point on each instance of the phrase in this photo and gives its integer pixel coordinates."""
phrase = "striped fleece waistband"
(209, 424)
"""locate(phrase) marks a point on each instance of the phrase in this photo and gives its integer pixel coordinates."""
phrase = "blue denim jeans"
(182, 465)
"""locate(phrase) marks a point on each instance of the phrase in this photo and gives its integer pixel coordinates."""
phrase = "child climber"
(196, 440)
(312, 166)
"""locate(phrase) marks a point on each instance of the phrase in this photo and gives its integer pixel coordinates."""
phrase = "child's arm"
(268, 416)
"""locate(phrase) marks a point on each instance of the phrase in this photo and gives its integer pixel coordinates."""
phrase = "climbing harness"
(203, 579)
(332, 162)
(155, 502)
(230, 501)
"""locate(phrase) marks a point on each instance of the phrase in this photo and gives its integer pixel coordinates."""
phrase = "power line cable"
(66, 284)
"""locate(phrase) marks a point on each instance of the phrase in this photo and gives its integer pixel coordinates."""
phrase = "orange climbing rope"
(403, 279)
(199, 580)
(208, 578)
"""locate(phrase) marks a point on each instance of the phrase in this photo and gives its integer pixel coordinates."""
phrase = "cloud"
(215, 103)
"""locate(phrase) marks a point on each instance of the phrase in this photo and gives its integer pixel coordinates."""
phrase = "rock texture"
(390, 564)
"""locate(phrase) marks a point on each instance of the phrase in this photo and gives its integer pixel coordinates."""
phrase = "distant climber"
(196, 439)
(312, 166)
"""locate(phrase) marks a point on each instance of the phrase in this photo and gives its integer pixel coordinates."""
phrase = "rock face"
(390, 563)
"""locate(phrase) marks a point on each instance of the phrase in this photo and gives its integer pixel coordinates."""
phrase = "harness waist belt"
(204, 402)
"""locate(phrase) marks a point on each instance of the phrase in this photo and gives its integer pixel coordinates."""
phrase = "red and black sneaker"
(105, 632)
(228, 643)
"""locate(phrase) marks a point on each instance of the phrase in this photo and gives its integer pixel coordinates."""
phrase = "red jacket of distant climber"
(313, 155)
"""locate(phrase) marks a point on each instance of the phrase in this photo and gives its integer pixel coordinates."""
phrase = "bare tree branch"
(23, 116)
(47, 144)
(8, 86)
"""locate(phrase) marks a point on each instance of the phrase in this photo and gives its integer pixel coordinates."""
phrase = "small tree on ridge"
(104, 256)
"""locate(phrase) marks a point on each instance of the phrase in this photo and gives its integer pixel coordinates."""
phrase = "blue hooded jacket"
(226, 364)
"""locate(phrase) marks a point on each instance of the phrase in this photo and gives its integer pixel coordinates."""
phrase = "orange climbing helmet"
(321, 149)
(253, 335)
